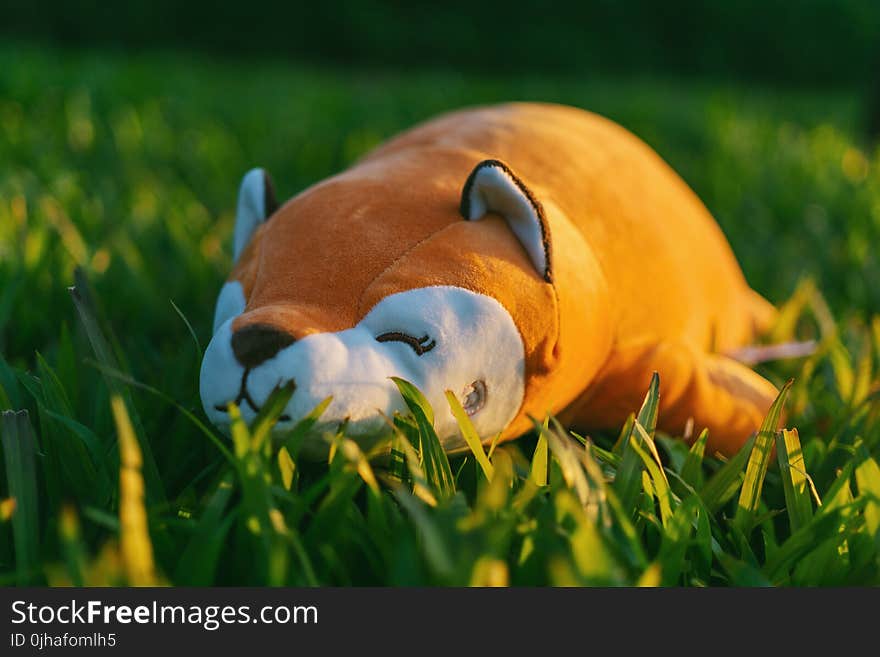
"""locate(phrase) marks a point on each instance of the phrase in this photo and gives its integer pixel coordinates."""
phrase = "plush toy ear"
(256, 202)
(493, 187)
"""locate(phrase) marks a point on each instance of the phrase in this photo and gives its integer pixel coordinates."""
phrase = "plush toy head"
(367, 277)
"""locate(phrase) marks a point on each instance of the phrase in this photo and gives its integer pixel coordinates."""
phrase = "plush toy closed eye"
(531, 258)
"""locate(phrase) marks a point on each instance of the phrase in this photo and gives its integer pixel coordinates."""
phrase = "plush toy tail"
(753, 354)
(764, 315)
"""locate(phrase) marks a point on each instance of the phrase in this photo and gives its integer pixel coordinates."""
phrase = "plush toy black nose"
(259, 342)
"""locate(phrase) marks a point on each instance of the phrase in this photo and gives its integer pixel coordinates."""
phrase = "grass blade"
(294, 440)
(436, 550)
(759, 459)
(286, 468)
(238, 429)
(134, 535)
(841, 365)
(412, 469)
(629, 475)
(868, 481)
(655, 471)
(495, 440)
(414, 398)
(189, 328)
(623, 436)
(433, 457)
(470, 434)
(356, 457)
(692, 470)
(569, 459)
(72, 546)
(647, 416)
(10, 396)
(19, 450)
(269, 414)
(794, 479)
(676, 540)
(540, 460)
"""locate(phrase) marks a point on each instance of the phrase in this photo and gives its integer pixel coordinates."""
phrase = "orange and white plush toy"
(531, 258)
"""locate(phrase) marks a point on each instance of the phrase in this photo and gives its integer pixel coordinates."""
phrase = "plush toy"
(531, 258)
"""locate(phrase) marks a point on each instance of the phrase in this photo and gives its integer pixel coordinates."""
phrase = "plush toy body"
(530, 258)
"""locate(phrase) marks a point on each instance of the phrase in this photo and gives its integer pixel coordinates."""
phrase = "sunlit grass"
(128, 171)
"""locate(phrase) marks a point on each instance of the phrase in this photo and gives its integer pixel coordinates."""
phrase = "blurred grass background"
(124, 131)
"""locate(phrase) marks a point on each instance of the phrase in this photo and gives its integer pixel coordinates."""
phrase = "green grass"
(126, 170)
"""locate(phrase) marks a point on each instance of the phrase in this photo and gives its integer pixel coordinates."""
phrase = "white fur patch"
(477, 346)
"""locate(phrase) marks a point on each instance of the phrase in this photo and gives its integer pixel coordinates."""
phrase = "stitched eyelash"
(419, 345)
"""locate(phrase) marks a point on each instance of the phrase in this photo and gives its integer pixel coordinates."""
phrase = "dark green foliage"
(824, 41)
